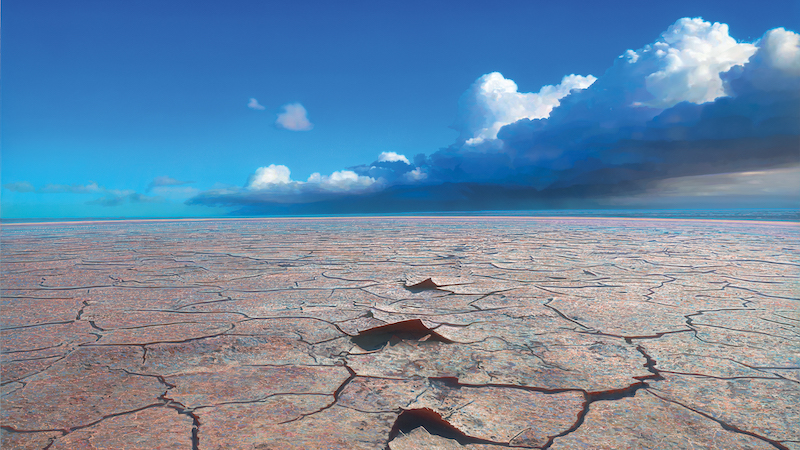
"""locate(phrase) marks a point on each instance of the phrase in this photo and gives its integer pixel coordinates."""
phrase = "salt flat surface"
(401, 333)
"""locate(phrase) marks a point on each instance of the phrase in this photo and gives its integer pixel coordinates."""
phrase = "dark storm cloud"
(657, 114)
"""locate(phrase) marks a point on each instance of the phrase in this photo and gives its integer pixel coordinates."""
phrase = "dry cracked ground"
(401, 333)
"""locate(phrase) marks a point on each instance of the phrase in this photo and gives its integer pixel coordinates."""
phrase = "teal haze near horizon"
(186, 109)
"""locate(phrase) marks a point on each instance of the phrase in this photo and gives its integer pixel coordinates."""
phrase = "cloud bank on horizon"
(695, 102)
(693, 116)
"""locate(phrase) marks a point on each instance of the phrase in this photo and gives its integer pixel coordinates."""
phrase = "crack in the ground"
(21, 327)
(724, 425)
(336, 394)
(562, 315)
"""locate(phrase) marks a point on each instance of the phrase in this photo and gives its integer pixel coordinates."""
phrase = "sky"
(201, 108)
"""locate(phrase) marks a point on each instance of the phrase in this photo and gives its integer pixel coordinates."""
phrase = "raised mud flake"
(765, 407)
(157, 427)
(393, 333)
(253, 383)
(426, 281)
(293, 422)
(647, 422)
(353, 327)
(430, 316)
(624, 263)
(505, 415)
(417, 283)
(420, 439)
(458, 285)
(576, 361)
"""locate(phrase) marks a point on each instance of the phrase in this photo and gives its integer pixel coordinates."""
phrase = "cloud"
(273, 184)
(266, 177)
(119, 197)
(775, 67)
(51, 188)
(782, 181)
(255, 105)
(771, 188)
(110, 197)
(90, 188)
(493, 102)
(694, 108)
(293, 117)
(175, 192)
(165, 181)
(392, 157)
(21, 186)
(685, 64)
(415, 175)
(342, 181)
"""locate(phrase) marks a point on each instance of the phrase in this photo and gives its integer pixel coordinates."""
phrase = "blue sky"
(141, 108)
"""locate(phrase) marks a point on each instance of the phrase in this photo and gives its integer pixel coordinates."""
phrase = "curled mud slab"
(402, 333)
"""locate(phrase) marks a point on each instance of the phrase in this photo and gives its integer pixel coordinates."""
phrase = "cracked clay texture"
(401, 333)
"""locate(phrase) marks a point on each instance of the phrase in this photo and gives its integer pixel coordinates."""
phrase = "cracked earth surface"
(401, 333)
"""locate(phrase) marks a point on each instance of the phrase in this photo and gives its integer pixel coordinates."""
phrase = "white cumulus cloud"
(682, 65)
(276, 179)
(255, 105)
(294, 117)
(493, 102)
(392, 157)
(342, 180)
(776, 64)
(271, 175)
(415, 175)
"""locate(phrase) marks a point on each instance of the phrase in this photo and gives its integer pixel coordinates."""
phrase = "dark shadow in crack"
(432, 421)
(407, 330)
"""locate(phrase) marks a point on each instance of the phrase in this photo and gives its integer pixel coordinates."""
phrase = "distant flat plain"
(401, 332)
